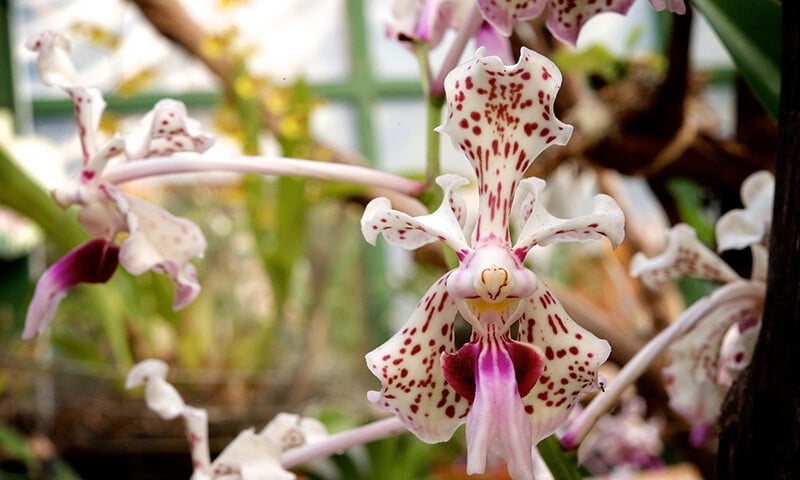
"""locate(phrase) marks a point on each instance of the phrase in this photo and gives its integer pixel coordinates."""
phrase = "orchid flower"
(156, 240)
(513, 391)
(713, 340)
(250, 456)
(707, 358)
(564, 19)
(427, 21)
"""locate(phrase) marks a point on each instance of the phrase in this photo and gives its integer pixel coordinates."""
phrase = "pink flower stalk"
(510, 390)
(156, 239)
(713, 340)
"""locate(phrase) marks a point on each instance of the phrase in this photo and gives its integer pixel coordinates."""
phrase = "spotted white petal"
(572, 356)
(250, 456)
(566, 19)
(161, 242)
(744, 227)
(542, 228)
(692, 376)
(502, 119)
(425, 20)
(56, 69)
(290, 430)
(165, 130)
(504, 14)
(408, 365)
(446, 224)
(684, 255)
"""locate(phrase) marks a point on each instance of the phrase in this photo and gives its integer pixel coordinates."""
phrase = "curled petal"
(565, 19)
(161, 242)
(572, 356)
(445, 224)
(692, 376)
(408, 366)
(56, 69)
(250, 456)
(502, 118)
(425, 20)
(674, 6)
(737, 350)
(164, 399)
(542, 228)
(53, 61)
(503, 15)
(744, 227)
(290, 431)
(165, 130)
(92, 262)
(685, 255)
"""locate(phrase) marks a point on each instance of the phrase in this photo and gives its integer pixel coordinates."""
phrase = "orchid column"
(511, 391)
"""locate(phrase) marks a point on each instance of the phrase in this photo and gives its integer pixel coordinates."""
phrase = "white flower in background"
(250, 456)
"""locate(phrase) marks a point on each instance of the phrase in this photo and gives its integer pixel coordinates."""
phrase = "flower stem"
(290, 167)
(734, 291)
(434, 117)
(342, 441)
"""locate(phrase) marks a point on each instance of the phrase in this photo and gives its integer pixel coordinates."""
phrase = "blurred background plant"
(667, 122)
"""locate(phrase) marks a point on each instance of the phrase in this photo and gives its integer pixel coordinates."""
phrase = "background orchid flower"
(428, 20)
(156, 239)
(717, 346)
(511, 391)
(564, 19)
(250, 456)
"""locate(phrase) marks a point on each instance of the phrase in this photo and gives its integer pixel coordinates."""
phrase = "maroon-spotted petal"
(413, 384)
(93, 262)
(502, 118)
(565, 19)
(503, 14)
(572, 356)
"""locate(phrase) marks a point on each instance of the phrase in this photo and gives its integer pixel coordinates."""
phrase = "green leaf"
(751, 31)
(563, 465)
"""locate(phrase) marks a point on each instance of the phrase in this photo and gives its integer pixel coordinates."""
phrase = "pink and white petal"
(674, 6)
(498, 414)
(502, 119)
(165, 130)
(572, 356)
(408, 365)
(504, 14)
(53, 61)
(686, 256)
(250, 456)
(446, 224)
(737, 351)
(88, 104)
(542, 228)
(161, 242)
(565, 19)
(93, 262)
(744, 227)
(691, 378)
(97, 162)
(196, 423)
(100, 214)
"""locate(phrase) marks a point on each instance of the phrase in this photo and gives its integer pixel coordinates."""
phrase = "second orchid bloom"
(511, 389)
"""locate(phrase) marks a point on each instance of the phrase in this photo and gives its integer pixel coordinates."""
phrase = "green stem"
(20, 193)
(434, 117)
